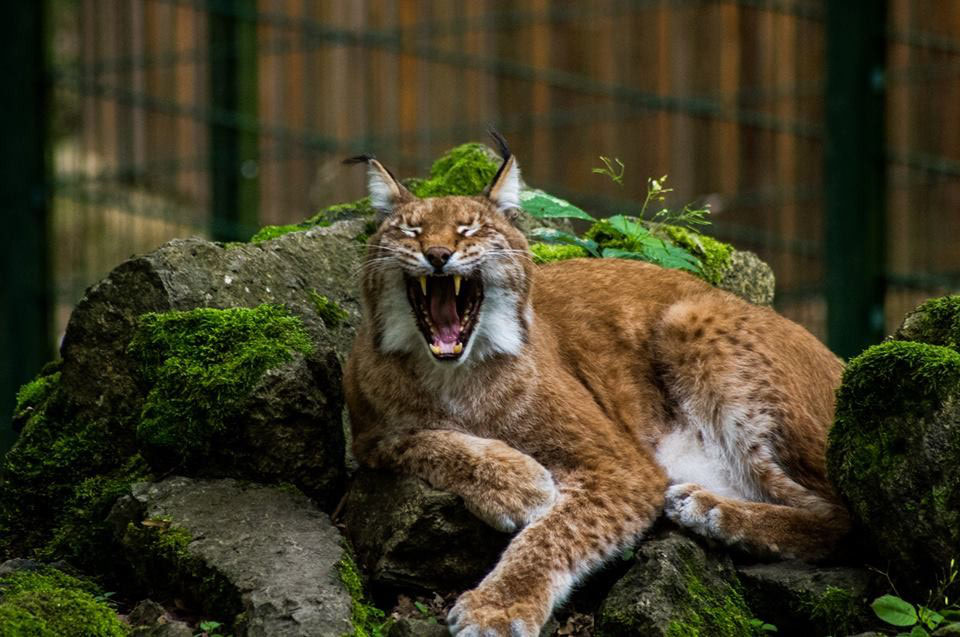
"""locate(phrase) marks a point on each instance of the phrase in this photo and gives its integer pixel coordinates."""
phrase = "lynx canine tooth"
(423, 284)
(456, 284)
(458, 348)
(435, 349)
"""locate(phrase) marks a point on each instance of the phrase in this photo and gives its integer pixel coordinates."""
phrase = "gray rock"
(802, 599)
(407, 534)
(675, 588)
(146, 613)
(267, 553)
(165, 629)
(750, 278)
(18, 564)
(417, 628)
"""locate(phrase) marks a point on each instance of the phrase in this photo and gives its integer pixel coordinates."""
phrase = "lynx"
(576, 402)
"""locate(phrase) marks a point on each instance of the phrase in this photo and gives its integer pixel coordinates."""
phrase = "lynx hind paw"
(695, 508)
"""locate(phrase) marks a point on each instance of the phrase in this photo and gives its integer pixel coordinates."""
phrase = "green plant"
(938, 612)
(760, 627)
(615, 174)
(425, 611)
(645, 236)
(209, 628)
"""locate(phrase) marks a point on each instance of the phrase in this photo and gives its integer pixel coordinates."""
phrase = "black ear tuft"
(501, 143)
(359, 159)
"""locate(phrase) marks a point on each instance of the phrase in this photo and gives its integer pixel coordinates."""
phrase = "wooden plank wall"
(725, 97)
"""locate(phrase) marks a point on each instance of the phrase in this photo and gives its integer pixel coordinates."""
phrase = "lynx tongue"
(443, 313)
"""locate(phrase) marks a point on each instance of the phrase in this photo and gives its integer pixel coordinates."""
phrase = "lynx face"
(448, 276)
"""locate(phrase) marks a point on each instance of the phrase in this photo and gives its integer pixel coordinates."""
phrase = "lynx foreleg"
(502, 486)
(594, 518)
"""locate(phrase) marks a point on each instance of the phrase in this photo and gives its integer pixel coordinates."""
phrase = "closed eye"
(410, 231)
(468, 231)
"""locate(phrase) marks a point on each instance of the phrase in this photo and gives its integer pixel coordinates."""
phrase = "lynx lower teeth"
(423, 285)
(456, 284)
(435, 349)
(458, 348)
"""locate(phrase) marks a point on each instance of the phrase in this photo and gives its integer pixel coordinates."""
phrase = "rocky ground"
(183, 469)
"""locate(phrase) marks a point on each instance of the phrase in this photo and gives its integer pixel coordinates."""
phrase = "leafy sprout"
(615, 173)
(923, 620)
(642, 237)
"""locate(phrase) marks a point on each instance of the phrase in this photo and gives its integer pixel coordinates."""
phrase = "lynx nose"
(438, 257)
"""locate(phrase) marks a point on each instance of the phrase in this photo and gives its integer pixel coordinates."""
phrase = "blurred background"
(824, 134)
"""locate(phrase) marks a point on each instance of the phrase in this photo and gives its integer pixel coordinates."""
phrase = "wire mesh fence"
(212, 117)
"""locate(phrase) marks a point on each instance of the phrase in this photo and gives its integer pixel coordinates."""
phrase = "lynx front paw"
(474, 616)
(523, 492)
(694, 507)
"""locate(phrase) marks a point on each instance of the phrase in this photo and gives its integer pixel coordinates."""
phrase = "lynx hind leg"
(757, 390)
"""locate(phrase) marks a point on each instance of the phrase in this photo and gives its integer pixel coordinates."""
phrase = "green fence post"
(233, 137)
(855, 180)
(24, 270)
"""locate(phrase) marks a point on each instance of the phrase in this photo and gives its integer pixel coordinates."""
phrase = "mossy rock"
(936, 322)
(893, 454)
(84, 438)
(676, 589)
(262, 560)
(49, 603)
(803, 599)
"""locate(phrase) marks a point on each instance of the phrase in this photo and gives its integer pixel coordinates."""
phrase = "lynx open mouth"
(446, 308)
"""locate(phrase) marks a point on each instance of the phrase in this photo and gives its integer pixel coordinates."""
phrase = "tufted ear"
(504, 190)
(384, 189)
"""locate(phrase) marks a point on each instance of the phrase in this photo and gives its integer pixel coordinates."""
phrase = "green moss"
(339, 212)
(547, 252)
(50, 603)
(34, 394)
(82, 535)
(272, 232)
(711, 611)
(39, 475)
(330, 313)
(202, 364)
(879, 388)
(714, 255)
(367, 619)
(936, 322)
(464, 170)
(837, 611)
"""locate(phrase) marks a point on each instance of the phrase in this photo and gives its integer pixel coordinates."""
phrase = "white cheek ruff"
(498, 328)
(398, 327)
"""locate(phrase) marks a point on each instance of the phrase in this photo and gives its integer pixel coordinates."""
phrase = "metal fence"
(825, 135)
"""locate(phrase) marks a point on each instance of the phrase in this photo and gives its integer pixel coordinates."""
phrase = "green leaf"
(617, 253)
(919, 631)
(422, 608)
(545, 206)
(628, 227)
(894, 610)
(550, 235)
(930, 617)
(953, 614)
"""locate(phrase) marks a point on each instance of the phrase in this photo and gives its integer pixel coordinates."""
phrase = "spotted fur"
(592, 397)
